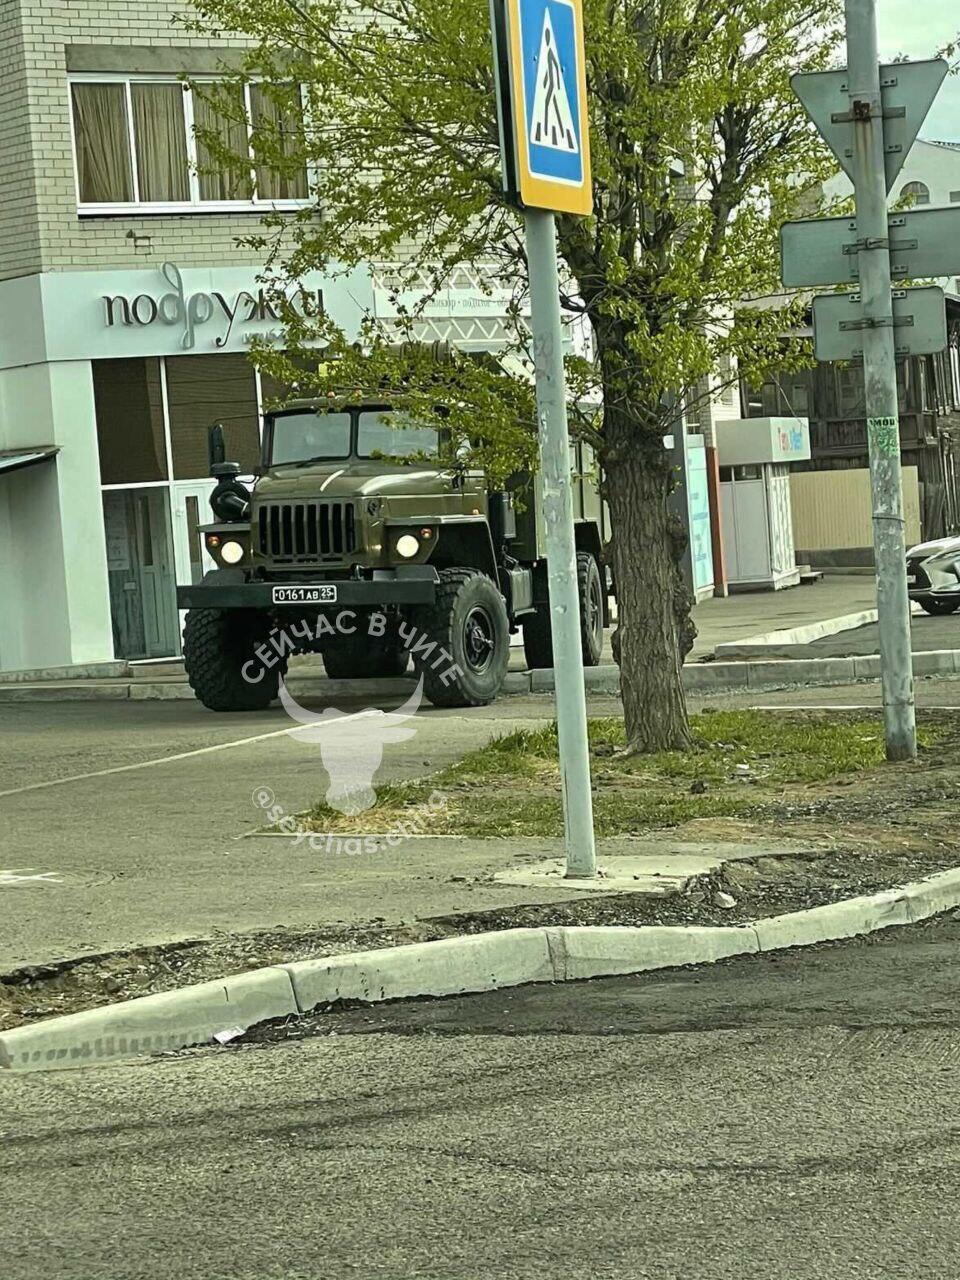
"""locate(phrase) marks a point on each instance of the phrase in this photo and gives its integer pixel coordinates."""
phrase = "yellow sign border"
(545, 193)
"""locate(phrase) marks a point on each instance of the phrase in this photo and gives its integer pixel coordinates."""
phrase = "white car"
(933, 575)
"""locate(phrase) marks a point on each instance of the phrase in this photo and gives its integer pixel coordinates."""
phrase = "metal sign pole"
(880, 380)
(560, 544)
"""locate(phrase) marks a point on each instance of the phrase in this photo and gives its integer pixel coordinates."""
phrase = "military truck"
(355, 512)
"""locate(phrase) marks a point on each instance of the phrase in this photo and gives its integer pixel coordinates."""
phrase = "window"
(308, 436)
(202, 390)
(916, 192)
(157, 143)
(955, 197)
(391, 435)
(129, 405)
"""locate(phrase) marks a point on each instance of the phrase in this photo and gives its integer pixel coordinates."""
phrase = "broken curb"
(463, 965)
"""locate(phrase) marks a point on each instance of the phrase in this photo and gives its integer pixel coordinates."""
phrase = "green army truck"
(359, 542)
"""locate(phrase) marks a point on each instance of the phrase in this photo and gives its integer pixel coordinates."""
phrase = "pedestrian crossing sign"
(550, 142)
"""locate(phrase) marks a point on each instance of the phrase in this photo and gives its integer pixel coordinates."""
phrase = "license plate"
(911, 579)
(305, 595)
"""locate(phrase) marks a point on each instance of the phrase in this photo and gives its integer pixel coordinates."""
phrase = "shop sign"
(190, 312)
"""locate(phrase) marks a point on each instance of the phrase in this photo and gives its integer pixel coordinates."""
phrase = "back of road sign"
(546, 133)
(907, 89)
(919, 323)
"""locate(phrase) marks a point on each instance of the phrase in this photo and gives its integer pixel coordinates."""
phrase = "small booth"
(754, 456)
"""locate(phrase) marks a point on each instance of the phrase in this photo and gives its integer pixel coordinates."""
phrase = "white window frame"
(194, 204)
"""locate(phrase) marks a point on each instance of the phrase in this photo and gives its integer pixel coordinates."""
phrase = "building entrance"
(140, 567)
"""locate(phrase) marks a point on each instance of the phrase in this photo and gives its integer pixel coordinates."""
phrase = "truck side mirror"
(230, 500)
(216, 446)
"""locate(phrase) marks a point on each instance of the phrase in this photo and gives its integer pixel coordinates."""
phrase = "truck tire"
(365, 658)
(217, 645)
(469, 621)
(538, 634)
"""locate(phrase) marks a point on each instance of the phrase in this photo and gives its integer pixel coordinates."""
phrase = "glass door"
(140, 571)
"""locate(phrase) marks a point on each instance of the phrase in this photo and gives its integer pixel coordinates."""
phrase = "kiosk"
(754, 456)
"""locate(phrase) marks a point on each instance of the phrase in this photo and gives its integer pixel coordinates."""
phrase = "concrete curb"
(171, 1020)
(463, 965)
(793, 636)
(698, 677)
(794, 642)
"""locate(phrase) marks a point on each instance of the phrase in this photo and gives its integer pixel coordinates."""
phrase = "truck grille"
(297, 532)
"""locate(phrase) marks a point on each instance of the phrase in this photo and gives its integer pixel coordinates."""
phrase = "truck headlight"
(407, 545)
(231, 553)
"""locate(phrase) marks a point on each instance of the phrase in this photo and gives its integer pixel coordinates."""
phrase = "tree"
(696, 139)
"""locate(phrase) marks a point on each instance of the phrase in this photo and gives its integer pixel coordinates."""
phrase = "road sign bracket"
(853, 117)
(881, 322)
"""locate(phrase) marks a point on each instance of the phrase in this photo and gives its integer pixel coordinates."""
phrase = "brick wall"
(19, 233)
(39, 226)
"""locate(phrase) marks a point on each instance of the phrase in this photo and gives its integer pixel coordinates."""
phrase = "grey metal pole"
(561, 547)
(880, 380)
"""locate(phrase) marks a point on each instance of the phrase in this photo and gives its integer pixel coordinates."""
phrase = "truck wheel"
(538, 634)
(468, 621)
(365, 658)
(217, 645)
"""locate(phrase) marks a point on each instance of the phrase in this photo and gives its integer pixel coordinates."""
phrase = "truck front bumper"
(229, 589)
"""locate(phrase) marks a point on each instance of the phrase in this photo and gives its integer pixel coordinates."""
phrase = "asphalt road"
(787, 1117)
(156, 852)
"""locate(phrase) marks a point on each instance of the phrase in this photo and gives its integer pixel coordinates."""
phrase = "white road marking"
(21, 875)
(150, 764)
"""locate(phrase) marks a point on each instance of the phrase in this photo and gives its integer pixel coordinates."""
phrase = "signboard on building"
(164, 310)
(755, 441)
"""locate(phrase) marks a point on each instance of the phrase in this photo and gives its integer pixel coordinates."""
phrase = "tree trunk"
(654, 630)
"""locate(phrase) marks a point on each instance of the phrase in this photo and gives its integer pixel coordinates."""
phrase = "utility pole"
(560, 544)
(880, 379)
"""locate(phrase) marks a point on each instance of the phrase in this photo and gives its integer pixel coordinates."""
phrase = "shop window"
(158, 143)
(129, 406)
(202, 390)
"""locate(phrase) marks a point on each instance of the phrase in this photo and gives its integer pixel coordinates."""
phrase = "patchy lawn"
(742, 762)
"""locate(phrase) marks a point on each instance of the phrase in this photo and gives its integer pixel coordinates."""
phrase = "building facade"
(126, 311)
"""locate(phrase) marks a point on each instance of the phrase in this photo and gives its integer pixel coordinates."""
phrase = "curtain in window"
(277, 136)
(161, 140)
(222, 115)
(103, 149)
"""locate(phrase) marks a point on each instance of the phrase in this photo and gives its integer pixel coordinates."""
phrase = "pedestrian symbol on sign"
(551, 123)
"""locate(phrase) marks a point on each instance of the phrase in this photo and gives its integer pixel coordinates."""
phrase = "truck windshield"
(302, 437)
(384, 433)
